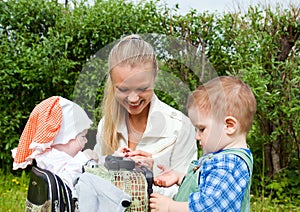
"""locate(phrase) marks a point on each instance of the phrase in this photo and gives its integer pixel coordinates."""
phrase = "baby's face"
(81, 139)
(74, 145)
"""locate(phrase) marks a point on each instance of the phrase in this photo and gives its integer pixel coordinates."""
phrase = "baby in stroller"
(54, 137)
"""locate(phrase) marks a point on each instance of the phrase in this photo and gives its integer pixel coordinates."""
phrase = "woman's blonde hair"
(226, 96)
(131, 50)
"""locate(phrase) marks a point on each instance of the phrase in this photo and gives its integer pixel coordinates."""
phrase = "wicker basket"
(132, 182)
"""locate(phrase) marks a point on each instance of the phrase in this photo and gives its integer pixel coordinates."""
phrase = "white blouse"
(169, 137)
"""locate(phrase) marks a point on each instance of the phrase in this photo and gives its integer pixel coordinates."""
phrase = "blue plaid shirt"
(223, 181)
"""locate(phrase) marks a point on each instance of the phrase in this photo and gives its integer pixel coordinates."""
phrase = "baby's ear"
(231, 125)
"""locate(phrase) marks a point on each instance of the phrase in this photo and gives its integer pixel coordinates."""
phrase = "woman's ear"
(231, 125)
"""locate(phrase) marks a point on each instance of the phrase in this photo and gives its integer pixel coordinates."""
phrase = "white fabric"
(74, 121)
(66, 167)
(169, 137)
(97, 194)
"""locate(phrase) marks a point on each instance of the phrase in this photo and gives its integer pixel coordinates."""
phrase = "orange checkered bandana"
(42, 127)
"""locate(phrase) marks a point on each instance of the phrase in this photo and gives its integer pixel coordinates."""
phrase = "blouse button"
(173, 114)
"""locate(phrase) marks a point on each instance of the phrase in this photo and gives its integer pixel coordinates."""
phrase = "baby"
(54, 137)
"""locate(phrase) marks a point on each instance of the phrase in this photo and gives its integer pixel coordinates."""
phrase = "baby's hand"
(91, 154)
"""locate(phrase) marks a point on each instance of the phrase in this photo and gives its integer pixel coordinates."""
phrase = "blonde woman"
(135, 121)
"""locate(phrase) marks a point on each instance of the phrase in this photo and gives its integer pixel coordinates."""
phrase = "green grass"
(13, 191)
(269, 205)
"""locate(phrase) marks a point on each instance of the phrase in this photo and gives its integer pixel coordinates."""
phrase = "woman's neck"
(136, 126)
(139, 121)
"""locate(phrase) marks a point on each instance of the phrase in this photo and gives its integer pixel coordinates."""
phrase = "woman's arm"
(185, 149)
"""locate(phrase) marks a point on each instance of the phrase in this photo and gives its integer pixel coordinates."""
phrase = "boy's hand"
(166, 178)
(159, 202)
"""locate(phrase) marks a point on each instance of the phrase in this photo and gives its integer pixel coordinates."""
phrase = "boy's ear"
(231, 125)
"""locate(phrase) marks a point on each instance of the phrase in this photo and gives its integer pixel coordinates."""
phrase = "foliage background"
(45, 45)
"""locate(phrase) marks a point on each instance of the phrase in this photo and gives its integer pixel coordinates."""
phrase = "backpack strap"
(48, 192)
(249, 161)
(244, 155)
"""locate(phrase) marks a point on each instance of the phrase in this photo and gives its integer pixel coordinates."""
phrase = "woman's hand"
(141, 157)
(122, 151)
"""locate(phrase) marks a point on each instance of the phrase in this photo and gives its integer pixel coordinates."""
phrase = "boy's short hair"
(225, 96)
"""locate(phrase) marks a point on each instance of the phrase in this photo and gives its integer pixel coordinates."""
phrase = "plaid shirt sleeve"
(223, 181)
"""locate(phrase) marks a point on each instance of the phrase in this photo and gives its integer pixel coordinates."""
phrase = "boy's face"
(209, 133)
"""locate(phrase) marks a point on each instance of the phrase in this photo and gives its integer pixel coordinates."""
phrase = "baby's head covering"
(55, 120)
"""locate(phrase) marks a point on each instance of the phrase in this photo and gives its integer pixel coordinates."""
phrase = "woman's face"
(134, 86)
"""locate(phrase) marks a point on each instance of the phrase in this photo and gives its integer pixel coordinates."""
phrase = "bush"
(45, 46)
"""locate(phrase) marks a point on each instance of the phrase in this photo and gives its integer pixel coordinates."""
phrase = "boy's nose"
(197, 136)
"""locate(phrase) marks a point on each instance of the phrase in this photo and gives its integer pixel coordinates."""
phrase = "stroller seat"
(48, 193)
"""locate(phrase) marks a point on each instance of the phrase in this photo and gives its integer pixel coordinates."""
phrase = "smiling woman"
(135, 123)
(134, 86)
